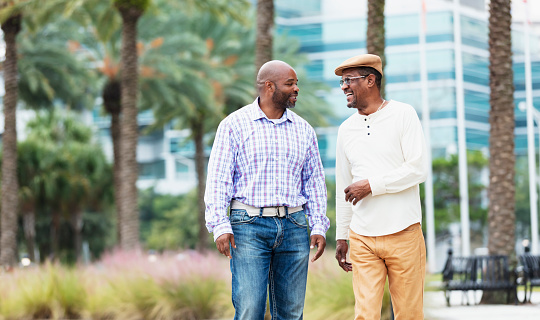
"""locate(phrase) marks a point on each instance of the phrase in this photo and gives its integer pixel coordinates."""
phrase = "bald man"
(265, 165)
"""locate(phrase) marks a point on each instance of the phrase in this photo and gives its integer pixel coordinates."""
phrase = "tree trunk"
(55, 235)
(376, 33)
(29, 224)
(501, 191)
(129, 228)
(77, 225)
(112, 103)
(116, 141)
(10, 186)
(200, 163)
(265, 28)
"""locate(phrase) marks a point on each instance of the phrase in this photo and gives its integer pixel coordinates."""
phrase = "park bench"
(485, 273)
(530, 265)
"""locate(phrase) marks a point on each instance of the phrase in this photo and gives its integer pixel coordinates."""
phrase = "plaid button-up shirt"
(264, 163)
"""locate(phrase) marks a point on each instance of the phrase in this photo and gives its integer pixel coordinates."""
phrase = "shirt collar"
(257, 113)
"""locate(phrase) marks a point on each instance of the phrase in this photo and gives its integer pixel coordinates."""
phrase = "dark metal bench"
(531, 274)
(485, 273)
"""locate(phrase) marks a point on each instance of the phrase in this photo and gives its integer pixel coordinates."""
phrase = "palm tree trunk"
(501, 191)
(129, 229)
(112, 103)
(265, 28)
(10, 186)
(376, 32)
(77, 225)
(55, 235)
(29, 224)
(200, 163)
(116, 141)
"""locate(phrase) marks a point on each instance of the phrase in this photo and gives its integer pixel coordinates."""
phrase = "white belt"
(266, 211)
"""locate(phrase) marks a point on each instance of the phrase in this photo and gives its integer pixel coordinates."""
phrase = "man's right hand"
(222, 244)
(341, 255)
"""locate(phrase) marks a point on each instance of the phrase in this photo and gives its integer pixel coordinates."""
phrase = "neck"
(373, 106)
(270, 110)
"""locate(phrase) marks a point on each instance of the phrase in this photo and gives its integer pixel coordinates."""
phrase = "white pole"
(531, 147)
(462, 143)
(428, 185)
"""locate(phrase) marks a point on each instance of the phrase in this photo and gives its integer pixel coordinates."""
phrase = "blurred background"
(109, 110)
(196, 64)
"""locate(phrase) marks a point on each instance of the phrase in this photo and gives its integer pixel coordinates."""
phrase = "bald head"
(272, 71)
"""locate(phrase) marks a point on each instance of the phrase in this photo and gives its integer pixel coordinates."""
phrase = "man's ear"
(269, 85)
(371, 80)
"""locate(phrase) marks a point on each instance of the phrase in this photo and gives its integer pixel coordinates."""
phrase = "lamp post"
(532, 115)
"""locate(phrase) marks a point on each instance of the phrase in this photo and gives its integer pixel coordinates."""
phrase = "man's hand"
(357, 191)
(341, 255)
(320, 242)
(222, 244)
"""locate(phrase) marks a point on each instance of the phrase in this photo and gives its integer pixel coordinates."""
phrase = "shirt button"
(365, 119)
(368, 126)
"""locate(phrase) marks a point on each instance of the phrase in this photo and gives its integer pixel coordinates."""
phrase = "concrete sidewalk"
(435, 308)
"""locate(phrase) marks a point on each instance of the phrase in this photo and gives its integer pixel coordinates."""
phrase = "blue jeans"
(271, 253)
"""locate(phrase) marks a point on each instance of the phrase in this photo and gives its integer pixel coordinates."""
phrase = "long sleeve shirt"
(262, 162)
(388, 149)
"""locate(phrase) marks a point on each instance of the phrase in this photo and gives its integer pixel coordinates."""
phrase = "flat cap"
(363, 60)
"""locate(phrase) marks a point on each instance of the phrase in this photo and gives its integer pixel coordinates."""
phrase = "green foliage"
(126, 285)
(49, 72)
(195, 298)
(169, 222)
(446, 189)
(523, 211)
(331, 214)
(63, 171)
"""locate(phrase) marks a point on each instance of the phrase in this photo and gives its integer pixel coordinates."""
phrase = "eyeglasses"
(347, 81)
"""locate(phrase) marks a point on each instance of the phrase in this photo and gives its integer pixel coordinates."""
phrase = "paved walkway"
(436, 309)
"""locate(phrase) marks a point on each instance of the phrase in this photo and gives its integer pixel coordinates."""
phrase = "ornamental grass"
(135, 286)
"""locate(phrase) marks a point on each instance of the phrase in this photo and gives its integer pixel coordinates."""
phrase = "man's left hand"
(320, 242)
(357, 191)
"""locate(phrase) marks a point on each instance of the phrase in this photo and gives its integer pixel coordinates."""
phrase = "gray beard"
(352, 104)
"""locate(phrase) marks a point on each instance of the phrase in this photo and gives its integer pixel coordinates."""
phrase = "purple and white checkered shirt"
(264, 163)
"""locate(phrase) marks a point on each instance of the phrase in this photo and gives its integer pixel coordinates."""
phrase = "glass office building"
(331, 31)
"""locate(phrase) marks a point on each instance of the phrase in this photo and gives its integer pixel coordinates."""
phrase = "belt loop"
(286, 212)
(261, 212)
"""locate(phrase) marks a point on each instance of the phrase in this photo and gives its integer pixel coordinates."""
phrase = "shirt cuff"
(377, 186)
(319, 230)
(222, 229)
(342, 234)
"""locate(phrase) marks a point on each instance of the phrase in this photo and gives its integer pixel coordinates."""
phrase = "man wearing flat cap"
(380, 162)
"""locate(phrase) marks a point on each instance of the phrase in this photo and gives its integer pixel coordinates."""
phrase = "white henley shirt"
(388, 148)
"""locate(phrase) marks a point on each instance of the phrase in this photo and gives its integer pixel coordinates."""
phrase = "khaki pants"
(401, 256)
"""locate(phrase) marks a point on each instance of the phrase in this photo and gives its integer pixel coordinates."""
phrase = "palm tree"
(265, 29)
(11, 13)
(131, 11)
(8, 242)
(501, 191)
(217, 73)
(30, 156)
(70, 175)
(376, 32)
